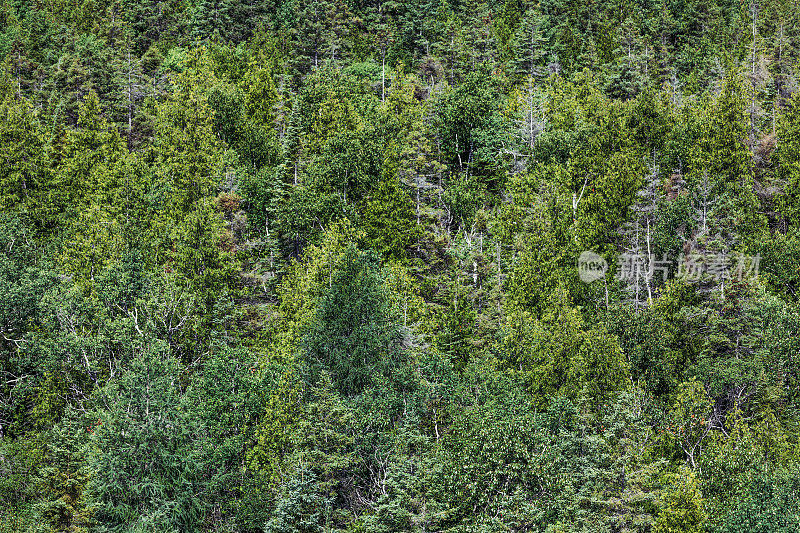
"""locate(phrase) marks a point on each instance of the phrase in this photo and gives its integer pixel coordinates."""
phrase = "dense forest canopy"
(415, 265)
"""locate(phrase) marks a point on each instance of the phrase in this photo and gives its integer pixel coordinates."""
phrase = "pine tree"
(683, 508)
(150, 21)
(64, 477)
(558, 356)
(185, 148)
(142, 458)
(322, 34)
(627, 77)
(89, 183)
(211, 19)
(727, 161)
(530, 46)
(25, 175)
(352, 334)
(389, 220)
(129, 81)
(788, 153)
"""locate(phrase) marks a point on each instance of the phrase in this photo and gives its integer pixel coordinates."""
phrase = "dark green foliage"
(226, 399)
(143, 461)
(353, 334)
(302, 510)
(64, 474)
(466, 116)
(770, 504)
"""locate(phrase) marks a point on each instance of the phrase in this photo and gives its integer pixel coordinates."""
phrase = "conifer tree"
(353, 335)
(530, 46)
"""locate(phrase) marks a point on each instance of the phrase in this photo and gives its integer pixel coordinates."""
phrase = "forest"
(465, 266)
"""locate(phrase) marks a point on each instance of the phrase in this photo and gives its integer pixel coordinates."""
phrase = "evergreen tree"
(144, 472)
(389, 220)
(352, 334)
(530, 46)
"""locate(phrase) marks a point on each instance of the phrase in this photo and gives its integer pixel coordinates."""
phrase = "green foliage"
(769, 505)
(722, 163)
(352, 333)
(789, 160)
(302, 510)
(144, 472)
(558, 356)
(683, 506)
(389, 220)
(466, 117)
(311, 266)
(64, 475)
(25, 176)
(186, 152)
